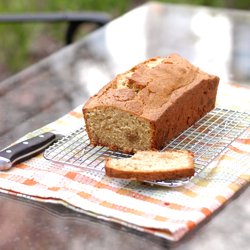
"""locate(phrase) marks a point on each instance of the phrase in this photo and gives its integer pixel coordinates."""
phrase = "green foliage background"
(17, 38)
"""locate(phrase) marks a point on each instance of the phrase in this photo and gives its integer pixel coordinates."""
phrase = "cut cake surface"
(152, 166)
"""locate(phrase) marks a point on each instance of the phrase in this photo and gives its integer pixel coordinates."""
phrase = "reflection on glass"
(126, 41)
(214, 44)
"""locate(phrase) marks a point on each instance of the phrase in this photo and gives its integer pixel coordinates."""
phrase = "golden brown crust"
(172, 96)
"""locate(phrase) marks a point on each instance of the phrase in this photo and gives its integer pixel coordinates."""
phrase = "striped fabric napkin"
(165, 212)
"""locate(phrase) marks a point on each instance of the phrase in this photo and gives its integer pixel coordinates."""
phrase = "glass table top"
(216, 40)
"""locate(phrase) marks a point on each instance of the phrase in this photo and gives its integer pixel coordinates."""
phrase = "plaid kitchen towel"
(166, 212)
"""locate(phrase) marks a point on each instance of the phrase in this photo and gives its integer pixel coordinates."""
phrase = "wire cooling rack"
(206, 139)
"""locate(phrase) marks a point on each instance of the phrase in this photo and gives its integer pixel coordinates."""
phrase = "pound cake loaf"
(150, 104)
(152, 166)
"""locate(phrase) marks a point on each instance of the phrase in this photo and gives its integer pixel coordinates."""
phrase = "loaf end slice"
(152, 166)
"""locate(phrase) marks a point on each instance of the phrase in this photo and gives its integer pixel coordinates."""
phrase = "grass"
(18, 39)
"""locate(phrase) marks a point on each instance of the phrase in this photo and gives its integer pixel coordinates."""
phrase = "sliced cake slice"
(152, 166)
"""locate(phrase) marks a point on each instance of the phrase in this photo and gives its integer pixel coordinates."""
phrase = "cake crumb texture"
(152, 166)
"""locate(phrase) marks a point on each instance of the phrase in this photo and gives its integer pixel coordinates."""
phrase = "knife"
(28, 148)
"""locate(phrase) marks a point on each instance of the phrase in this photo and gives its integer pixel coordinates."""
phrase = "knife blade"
(28, 148)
